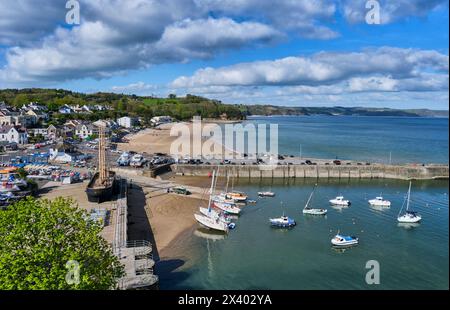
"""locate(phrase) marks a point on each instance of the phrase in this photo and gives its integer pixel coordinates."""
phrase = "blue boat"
(283, 222)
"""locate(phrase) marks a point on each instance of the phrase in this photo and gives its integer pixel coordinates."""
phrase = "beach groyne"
(376, 171)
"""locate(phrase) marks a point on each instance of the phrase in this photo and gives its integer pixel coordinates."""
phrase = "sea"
(256, 256)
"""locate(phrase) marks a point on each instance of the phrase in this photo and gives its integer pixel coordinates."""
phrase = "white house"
(60, 157)
(127, 122)
(83, 131)
(13, 134)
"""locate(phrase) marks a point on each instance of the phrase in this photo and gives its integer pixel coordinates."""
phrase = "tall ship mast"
(103, 184)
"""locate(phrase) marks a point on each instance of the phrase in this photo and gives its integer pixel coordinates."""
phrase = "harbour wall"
(403, 172)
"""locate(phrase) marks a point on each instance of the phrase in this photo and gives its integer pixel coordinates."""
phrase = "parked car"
(337, 162)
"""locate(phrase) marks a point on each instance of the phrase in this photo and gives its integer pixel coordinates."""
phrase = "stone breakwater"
(376, 171)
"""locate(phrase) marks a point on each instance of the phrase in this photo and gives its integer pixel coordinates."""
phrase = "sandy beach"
(159, 140)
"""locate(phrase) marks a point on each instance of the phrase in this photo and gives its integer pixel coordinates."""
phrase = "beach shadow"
(139, 228)
(169, 277)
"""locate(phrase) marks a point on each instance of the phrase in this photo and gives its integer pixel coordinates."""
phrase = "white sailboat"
(210, 219)
(409, 216)
(211, 223)
(312, 211)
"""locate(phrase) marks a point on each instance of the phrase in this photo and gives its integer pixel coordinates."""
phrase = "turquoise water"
(256, 256)
(410, 139)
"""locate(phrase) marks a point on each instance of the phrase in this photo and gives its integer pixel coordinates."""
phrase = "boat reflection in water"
(208, 234)
(408, 225)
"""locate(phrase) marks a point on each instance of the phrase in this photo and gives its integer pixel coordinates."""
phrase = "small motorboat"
(266, 194)
(237, 196)
(283, 222)
(340, 201)
(380, 202)
(340, 240)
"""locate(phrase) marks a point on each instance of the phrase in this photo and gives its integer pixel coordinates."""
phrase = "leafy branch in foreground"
(38, 237)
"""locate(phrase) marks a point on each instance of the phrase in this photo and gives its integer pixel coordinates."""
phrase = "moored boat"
(380, 202)
(229, 208)
(340, 201)
(409, 216)
(211, 223)
(341, 240)
(214, 214)
(283, 222)
(313, 211)
(237, 196)
(266, 194)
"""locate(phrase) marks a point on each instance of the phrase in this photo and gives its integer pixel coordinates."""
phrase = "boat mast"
(409, 195)
(211, 191)
(103, 171)
(310, 196)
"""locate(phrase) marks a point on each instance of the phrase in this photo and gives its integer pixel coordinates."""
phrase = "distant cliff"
(279, 110)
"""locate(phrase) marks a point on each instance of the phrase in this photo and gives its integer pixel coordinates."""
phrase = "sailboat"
(409, 216)
(209, 217)
(312, 211)
(103, 185)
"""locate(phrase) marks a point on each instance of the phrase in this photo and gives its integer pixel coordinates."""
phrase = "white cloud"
(91, 50)
(135, 88)
(372, 68)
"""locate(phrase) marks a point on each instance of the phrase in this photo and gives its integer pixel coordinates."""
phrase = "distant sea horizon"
(383, 139)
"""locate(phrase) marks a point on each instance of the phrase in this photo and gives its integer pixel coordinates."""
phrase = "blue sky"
(295, 53)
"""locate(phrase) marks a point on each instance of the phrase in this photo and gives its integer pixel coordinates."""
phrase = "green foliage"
(38, 237)
(22, 173)
(122, 105)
